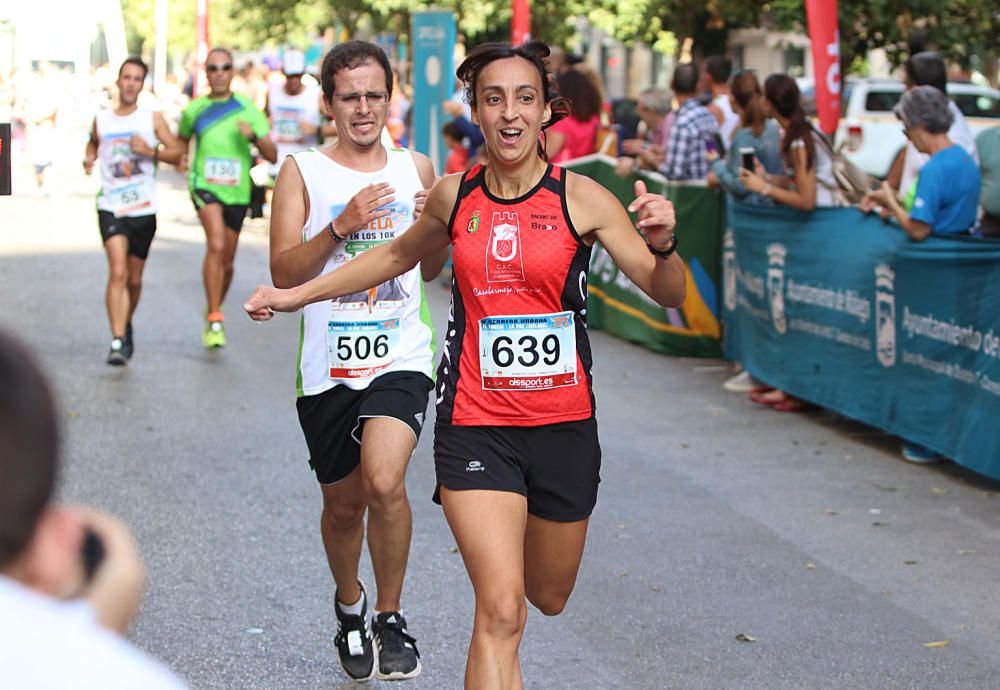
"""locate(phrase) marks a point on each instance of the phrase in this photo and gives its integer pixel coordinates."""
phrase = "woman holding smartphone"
(757, 141)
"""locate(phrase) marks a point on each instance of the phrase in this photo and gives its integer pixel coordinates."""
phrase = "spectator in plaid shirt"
(693, 127)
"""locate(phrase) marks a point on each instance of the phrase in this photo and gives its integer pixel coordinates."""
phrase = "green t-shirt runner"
(222, 158)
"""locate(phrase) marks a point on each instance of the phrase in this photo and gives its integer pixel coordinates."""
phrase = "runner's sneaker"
(398, 657)
(127, 346)
(214, 335)
(354, 641)
(116, 355)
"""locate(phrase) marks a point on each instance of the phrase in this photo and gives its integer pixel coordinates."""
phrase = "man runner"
(225, 125)
(128, 141)
(364, 359)
(292, 109)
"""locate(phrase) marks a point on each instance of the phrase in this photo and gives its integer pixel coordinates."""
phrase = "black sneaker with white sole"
(354, 641)
(127, 347)
(116, 355)
(398, 657)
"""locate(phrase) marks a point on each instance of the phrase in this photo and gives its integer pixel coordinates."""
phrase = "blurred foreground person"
(70, 577)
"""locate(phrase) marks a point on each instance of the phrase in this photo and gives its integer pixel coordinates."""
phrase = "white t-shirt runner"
(350, 340)
(287, 114)
(128, 181)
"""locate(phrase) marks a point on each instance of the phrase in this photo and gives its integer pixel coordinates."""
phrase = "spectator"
(761, 135)
(927, 69)
(70, 578)
(716, 81)
(607, 116)
(757, 132)
(947, 192)
(988, 146)
(458, 159)
(655, 109)
(576, 135)
(461, 114)
(691, 131)
(810, 182)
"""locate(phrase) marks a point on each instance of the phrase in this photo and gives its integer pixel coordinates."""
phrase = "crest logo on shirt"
(503, 257)
(885, 315)
(473, 222)
(776, 254)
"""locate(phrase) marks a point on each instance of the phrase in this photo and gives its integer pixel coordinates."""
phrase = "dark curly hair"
(584, 99)
(534, 52)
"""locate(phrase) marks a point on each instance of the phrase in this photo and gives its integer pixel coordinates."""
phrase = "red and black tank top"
(516, 351)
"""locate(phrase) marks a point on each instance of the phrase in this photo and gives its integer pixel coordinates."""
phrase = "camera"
(91, 554)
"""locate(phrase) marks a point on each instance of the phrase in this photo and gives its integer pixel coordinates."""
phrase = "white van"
(870, 133)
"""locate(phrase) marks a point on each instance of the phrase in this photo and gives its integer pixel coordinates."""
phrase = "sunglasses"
(219, 68)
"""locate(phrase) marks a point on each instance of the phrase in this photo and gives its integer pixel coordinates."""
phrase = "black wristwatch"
(252, 138)
(664, 253)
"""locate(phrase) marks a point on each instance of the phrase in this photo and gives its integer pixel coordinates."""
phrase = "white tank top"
(730, 120)
(350, 340)
(287, 113)
(128, 182)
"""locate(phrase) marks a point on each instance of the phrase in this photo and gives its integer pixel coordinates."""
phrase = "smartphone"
(91, 553)
(746, 158)
(710, 145)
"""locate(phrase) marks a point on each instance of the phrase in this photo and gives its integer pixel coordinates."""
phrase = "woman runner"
(516, 448)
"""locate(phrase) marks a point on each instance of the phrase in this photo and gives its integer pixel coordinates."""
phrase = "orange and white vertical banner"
(825, 38)
(520, 22)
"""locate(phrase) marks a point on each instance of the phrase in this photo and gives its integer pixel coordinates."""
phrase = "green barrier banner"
(617, 306)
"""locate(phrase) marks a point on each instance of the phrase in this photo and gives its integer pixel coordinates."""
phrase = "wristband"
(337, 237)
(664, 253)
(156, 153)
(252, 138)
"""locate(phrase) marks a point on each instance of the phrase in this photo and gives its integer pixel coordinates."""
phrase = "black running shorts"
(232, 216)
(556, 466)
(139, 230)
(332, 420)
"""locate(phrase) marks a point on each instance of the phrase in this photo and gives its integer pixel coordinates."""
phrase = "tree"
(960, 30)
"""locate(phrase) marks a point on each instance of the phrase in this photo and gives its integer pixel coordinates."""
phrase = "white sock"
(353, 609)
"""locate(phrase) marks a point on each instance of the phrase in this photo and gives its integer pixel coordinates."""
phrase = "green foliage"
(957, 29)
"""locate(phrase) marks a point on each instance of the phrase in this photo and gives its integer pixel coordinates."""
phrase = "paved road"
(716, 518)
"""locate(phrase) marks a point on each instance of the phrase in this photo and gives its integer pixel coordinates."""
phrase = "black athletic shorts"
(139, 230)
(332, 420)
(556, 466)
(232, 216)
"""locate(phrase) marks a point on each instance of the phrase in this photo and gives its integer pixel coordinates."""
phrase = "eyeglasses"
(219, 68)
(906, 132)
(371, 97)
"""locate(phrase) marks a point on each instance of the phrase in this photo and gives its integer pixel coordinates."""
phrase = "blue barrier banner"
(433, 34)
(845, 311)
